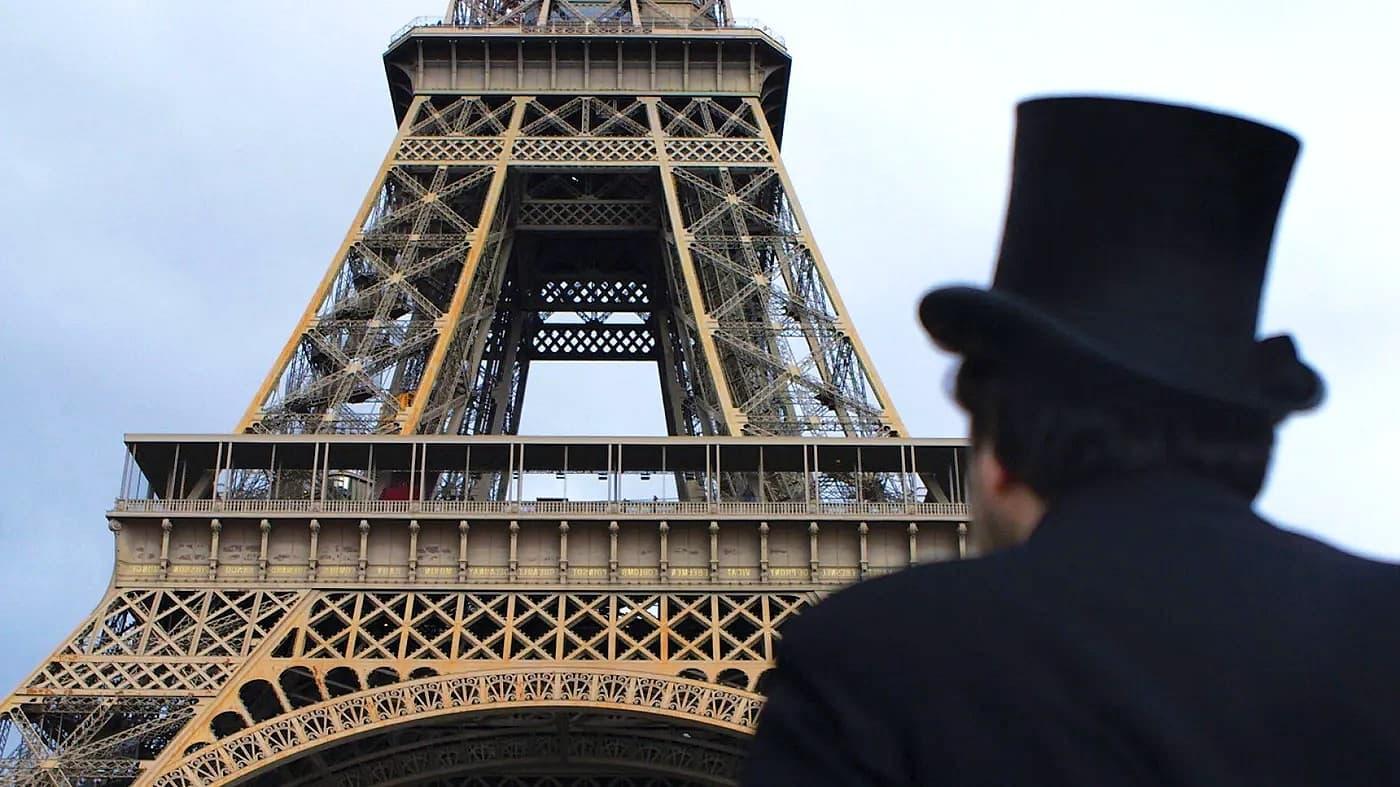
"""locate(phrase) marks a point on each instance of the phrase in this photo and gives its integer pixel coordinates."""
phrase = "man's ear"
(990, 472)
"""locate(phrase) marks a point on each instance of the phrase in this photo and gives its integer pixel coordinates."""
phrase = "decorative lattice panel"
(717, 151)
(585, 116)
(583, 626)
(295, 731)
(601, 295)
(580, 150)
(478, 149)
(164, 640)
(581, 342)
(582, 214)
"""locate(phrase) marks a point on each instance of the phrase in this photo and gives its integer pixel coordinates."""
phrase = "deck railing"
(580, 26)
(528, 507)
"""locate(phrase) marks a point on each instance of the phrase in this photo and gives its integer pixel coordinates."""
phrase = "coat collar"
(1141, 506)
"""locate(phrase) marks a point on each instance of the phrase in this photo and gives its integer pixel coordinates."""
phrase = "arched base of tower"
(544, 748)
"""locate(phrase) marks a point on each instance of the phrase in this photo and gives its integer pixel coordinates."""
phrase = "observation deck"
(357, 509)
(702, 55)
(740, 28)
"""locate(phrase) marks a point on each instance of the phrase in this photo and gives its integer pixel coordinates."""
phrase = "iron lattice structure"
(374, 581)
(617, 14)
(503, 230)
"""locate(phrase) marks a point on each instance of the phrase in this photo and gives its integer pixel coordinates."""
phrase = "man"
(1139, 623)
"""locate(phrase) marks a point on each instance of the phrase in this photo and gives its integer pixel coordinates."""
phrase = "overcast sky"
(179, 175)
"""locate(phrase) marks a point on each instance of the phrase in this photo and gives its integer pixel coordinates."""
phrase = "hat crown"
(1139, 233)
(1143, 223)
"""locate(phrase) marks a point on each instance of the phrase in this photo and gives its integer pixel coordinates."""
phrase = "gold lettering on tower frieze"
(780, 572)
(689, 572)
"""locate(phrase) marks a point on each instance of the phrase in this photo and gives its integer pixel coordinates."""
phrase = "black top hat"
(1137, 238)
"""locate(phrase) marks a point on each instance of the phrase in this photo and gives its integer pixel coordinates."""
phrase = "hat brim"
(975, 322)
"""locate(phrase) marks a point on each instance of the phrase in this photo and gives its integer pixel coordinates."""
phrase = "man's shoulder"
(914, 606)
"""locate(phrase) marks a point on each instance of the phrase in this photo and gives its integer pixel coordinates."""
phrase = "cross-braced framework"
(372, 582)
(343, 664)
(128, 680)
(430, 316)
(87, 740)
(616, 14)
(166, 641)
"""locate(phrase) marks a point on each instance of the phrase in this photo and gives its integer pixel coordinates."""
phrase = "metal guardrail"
(750, 23)
(559, 28)
(417, 21)
(561, 507)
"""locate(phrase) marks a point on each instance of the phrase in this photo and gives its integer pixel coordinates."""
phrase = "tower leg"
(769, 317)
(440, 391)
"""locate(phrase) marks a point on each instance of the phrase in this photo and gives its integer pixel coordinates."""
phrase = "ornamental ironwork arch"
(539, 748)
(246, 752)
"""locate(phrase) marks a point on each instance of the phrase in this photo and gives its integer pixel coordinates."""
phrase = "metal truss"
(86, 740)
(289, 731)
(590, 14)
(618, 196)
(129, 679)
(460, 272)
(375, 328)
(207, 680)
(719, 636)
(790, 357)
(175, 642)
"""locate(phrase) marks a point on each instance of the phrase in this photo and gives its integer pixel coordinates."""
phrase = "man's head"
(1037, 436)
(1120, 331)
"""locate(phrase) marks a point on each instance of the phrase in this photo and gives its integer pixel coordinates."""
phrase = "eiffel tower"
(374, 579)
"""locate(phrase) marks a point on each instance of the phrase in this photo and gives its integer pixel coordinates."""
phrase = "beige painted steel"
(692, 157)
(842, 314)
(433, 371)
(265, 745)
(390, 552)
(251, 632)
(319, 296)
(733, 419)
(591, 612)
(540, 75)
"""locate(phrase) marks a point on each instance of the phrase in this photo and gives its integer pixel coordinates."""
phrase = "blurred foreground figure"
(1135, 622)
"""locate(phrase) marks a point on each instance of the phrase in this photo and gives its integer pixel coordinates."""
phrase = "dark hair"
(1057, 431)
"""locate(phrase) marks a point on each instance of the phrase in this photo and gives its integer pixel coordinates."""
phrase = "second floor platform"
(593, 510)
(502, 475)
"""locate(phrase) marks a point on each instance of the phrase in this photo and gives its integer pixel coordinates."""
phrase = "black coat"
(1153, 630)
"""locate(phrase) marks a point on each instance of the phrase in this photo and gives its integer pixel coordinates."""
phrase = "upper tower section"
(673, 14)
(594, 47)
